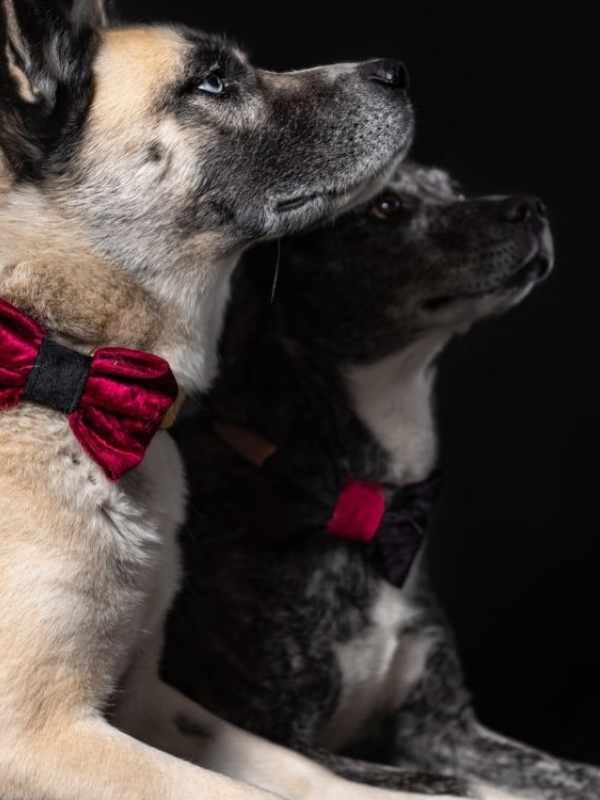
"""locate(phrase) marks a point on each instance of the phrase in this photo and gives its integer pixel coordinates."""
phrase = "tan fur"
(66, 615)
(6, 180)
(46, 270)
(85, 301)
(88, 568)
(139, 61)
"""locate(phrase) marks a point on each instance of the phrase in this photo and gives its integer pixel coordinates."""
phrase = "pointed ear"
(28, 28)
(45, 70)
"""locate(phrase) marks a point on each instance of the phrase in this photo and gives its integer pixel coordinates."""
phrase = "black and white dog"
(307, 615)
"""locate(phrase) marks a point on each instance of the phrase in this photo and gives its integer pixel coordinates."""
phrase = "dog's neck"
(371, 422)
(88, 300)
(393, 398)
(193, 305)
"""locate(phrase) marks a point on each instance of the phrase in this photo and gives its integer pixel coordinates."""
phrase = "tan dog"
(136, 164)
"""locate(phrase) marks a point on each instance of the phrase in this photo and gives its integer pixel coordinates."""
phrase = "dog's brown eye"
(212, 84)
(386, 206)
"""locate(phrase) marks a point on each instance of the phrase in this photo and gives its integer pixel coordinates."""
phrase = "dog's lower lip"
(538, 268)
(299, 201)
(293, 203)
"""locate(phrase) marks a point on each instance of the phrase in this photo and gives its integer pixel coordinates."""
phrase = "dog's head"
(149, 137)
(420, 258)
(162, 150)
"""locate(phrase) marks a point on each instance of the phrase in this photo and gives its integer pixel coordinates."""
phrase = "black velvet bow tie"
(403, 527)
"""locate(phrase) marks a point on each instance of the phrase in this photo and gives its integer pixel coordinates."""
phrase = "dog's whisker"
(276, 272)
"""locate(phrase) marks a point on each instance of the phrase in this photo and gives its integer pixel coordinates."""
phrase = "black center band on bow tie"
(58, 377)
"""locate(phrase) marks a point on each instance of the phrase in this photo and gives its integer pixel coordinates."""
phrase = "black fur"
(269, 597)
(38, 135)
(58, 377)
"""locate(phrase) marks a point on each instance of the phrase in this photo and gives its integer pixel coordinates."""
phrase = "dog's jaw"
(292, 214)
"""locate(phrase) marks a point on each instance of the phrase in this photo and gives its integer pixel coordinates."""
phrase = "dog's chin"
(464, 307)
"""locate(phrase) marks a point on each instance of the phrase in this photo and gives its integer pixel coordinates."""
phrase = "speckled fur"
(283, 629)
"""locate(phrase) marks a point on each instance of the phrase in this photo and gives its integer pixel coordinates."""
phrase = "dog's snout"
(523, 208)
(388, 72)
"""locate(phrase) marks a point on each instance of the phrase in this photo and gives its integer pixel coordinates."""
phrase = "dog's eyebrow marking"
(214, 52)
(154, 152)
(188, 727)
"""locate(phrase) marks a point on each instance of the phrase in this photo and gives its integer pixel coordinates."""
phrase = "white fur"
(393, 397)
(194, 359)
(378, 669)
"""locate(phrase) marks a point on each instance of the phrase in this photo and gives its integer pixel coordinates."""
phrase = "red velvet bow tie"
(116, 400)
(394, 534)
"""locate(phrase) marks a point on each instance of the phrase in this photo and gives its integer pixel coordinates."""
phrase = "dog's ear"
(46, 48)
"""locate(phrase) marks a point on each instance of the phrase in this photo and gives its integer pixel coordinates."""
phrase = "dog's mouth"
(294, 203)
(349, 194)
(343, 197)
(533, 270)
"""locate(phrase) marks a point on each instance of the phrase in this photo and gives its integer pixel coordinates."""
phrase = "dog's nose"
(523, 208)
(388, 72)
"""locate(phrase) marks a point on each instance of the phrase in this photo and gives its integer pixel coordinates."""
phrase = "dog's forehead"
(214, 45)
(131, 68)
(136, 65)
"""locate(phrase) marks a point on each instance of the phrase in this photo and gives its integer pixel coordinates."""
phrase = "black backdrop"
(517, 576)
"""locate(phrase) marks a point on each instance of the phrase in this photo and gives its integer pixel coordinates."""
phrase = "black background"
(517, 406)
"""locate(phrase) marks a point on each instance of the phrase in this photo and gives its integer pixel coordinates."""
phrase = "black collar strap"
(58, 377)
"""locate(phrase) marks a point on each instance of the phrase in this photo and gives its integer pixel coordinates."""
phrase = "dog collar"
(115, 400)
(394, 530)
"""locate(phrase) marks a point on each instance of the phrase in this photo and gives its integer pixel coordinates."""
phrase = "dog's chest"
(146, 517)
(378, 668)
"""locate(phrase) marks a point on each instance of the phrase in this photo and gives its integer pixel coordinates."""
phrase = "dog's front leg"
(497, 760)
(437, 729)
(86, 759)
(398, 778)
(65, 612)
(168, 720)
(411, 779)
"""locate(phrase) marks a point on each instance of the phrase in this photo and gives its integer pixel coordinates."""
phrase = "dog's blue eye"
(212, 84)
